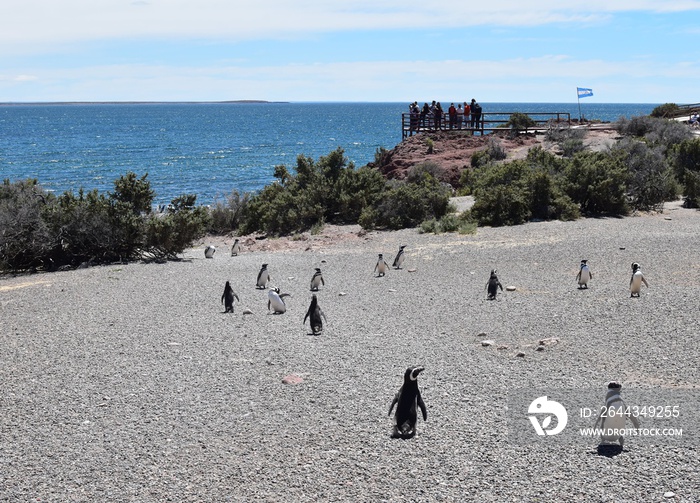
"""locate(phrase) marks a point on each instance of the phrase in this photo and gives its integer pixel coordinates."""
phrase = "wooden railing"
(489, 121)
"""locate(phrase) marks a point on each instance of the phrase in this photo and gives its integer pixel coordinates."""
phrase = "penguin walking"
(406, 400)
(400, 257)
(275, 301)
(317, 280)
(235, 248)
(636, 280)
(613, 416)
(382, 267)
(263, 278)
(228, 296)
(493, 285)
(315, 314)
(584, 275)
(209, 251)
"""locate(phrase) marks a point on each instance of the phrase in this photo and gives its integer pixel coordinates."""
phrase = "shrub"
(571, 146)
(656, 131)
(598, 183)
(519, 121)
(24, 236)
(407, 204)
(416, 172)
(685, 159)
(665, 111)
(227, 216)
(171, 233)
(330, 190)
(651, 179)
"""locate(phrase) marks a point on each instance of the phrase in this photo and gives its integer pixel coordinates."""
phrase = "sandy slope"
(127, 383)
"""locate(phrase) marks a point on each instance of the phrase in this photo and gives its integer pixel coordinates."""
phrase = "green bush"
(598, 183)
(571, 146)
(330, 190)
(169, 234)
(42, 230)
(24, 235)
(651, 180)
(685, 159)
(665, 111)
(407, 204)
(228, 215)
(519, 121)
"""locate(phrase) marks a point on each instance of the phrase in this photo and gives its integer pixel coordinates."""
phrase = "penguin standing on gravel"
(636, 280)
(584, 275)
(315, 314)
(209, 251)
(236, 248)
(228, 296)
(275, 301)
(493, 285)
(400, 257)
(613, 416)
(317, 280)
(406, 400)
(382, 267)
(263, 278)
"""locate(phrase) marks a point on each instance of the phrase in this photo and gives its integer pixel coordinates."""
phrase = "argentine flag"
(584, 92)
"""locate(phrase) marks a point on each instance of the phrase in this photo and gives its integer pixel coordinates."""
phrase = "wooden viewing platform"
(412, 124)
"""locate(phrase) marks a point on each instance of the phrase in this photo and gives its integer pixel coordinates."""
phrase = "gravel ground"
(128, 383)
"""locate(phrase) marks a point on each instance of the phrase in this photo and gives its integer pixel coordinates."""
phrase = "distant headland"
(233, 102)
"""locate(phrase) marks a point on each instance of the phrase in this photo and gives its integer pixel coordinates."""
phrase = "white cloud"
(547, 78)
(51, 22)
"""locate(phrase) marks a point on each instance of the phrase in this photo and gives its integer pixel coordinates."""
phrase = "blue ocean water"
(208, 149)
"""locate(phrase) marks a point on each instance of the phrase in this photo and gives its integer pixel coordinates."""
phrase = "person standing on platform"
(452, 113)
(467, 115)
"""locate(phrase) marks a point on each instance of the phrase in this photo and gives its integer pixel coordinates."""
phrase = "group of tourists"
(433, 117)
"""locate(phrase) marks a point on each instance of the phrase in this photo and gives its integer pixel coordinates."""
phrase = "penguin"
(406, 400)
(228, 296)
(400, 257)
(275, 300)
(236, 248)
(209, 251)
(317, 280)
(584, 275)
(613, 416)
(636, 280)
(493, 285)
(315, 314)
(381, 266)
(263, 278)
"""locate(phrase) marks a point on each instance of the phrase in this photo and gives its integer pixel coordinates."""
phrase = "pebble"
(292, 379)
(520, 355)
(669, 494)
(247, 311)
(342, 294)
(411, 270)
(510, 288)
(487, 343)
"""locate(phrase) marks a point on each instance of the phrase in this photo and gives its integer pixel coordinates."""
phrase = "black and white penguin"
(228, 296)
(235, 248)
(493, 285)
(317, 280)
(275, 301)
(613, 416)
(315, 314)
(209, 251)
(584, 275)
(636, 280)
(263, 278)
(400, 257)
(382, 267)
(406, 400)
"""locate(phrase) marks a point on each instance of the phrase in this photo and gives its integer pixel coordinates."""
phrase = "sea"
(210, 149)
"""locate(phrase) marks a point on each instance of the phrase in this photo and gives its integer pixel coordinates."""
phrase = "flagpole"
(578, 98)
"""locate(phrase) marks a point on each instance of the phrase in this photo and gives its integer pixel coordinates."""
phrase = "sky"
(627, 51)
